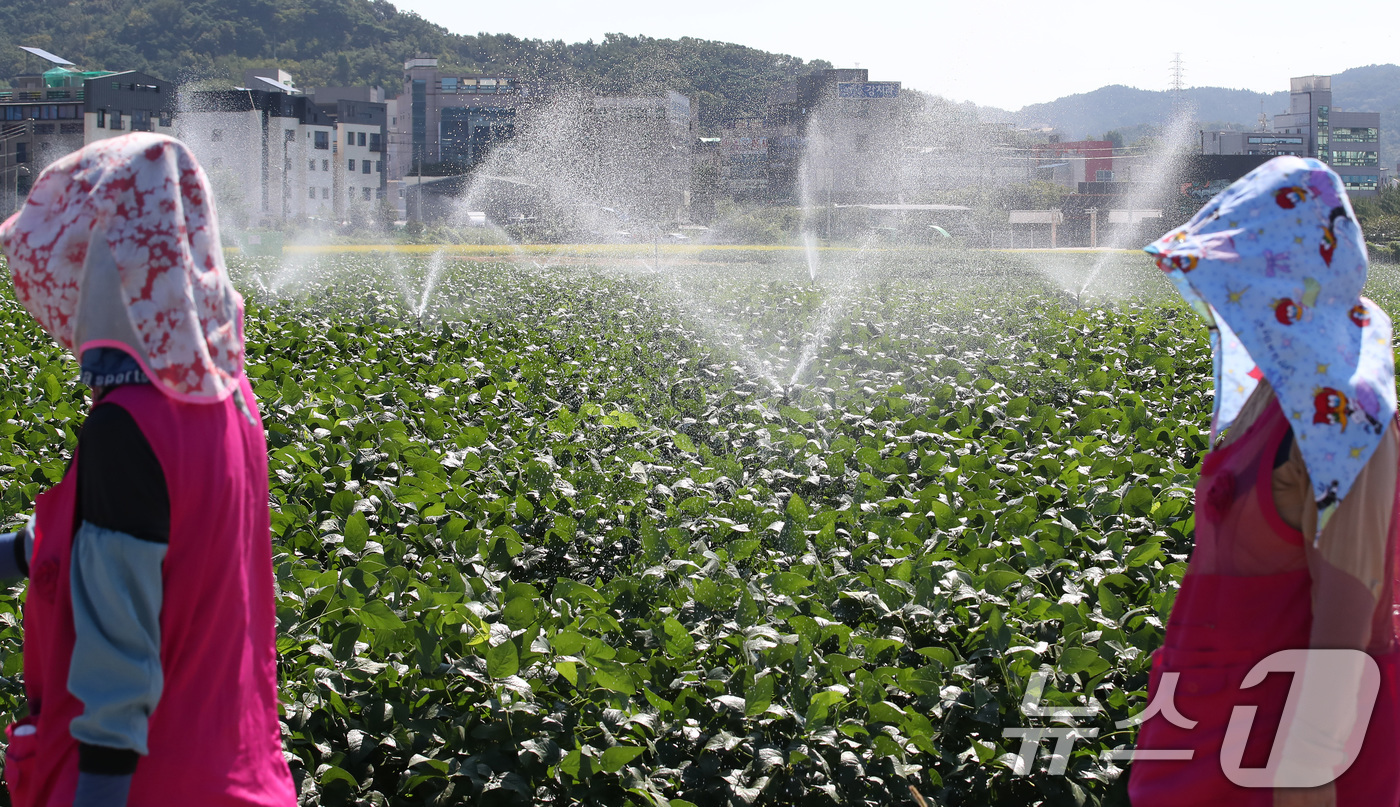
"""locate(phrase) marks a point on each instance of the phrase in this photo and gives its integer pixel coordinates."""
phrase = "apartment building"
(272, 155)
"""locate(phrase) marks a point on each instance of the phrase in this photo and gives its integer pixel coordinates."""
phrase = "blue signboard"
(867, 89)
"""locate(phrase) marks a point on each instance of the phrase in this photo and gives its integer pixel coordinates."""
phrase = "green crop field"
(572, 534)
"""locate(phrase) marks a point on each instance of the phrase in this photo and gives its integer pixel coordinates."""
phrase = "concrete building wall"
(360, 174)
(271, 157)
(427, 91)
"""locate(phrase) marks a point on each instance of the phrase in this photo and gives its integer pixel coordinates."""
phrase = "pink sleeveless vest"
(1221, 625)
(214, 738)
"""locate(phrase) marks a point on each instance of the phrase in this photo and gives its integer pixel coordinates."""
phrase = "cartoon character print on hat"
(1290, 310)
(1290, 197)
(152, 201)
(1277, 263)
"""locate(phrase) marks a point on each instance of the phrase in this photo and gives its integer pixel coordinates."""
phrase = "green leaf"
(758, 697)
(616, 757)
(375, 615)
(569, 670)
(1137, 501)
(788, 582)
(356, 532)
(519, 613)
(679, 643)
(614, 676)
(567, 643)
(1077, 659)
(502, 661)
(343, 503)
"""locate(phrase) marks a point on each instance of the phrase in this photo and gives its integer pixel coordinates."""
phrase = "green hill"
(324, 42)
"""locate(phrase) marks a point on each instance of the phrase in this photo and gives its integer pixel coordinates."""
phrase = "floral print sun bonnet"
(1275, 264)
(145, 195)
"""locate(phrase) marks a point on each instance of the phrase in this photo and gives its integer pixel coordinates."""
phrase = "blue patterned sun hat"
(1275, 265)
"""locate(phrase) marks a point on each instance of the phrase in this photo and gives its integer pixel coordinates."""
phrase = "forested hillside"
(365, 42)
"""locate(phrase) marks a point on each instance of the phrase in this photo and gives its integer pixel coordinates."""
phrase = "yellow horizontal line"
(640, 250)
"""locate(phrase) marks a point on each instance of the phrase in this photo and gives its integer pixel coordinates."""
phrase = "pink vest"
(1222, 625)
(214, 738)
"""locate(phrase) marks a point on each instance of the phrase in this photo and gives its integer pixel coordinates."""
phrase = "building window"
(140, 121)
(364, 166)
(352, 166)
(1101, 175)
(216, 135)
(361, 137)
(1361, 158)
(311, 193)
(116, 120)
(102, 119)
(290, 135)
(1355, 134)
(349, 138)
(366, 193)
(325, 193)
(378, 166)
(352, 194)
(374, 143)
(70, 128)
(325, 165)
(379, 193)
(43, 128)
(21, 152)
(1324, 149)
(1359, 183)
(165, 121)
(419, 121)
(323, 140)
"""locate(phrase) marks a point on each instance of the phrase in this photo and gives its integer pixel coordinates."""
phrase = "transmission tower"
(1178, 75)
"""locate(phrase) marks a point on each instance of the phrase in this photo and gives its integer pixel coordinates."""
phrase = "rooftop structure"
(455, 117)
(59, 111)
(1348, 141)
(272, 156)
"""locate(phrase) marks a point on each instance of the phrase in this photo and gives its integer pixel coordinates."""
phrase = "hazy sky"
(999, 54)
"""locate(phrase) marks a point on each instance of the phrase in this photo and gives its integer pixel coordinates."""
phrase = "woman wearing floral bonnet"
(150, 663)
(1292, 571)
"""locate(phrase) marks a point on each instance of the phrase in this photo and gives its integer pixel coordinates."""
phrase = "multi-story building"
(1073, 162)
(271, 155)
(455, 118)
(1259, 142)
(47, 116)
(638, 153)
(1346, 140)
(117, 103)
(361, 132)
(761, 158)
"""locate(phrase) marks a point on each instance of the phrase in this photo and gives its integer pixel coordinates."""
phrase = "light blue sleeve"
(115, 671)
(10, 567)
